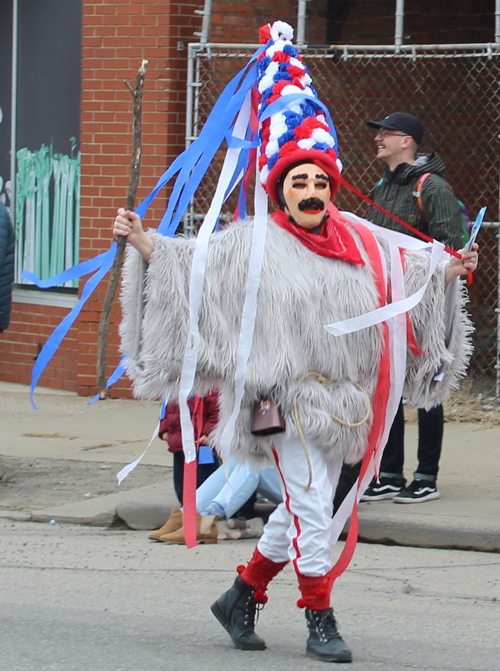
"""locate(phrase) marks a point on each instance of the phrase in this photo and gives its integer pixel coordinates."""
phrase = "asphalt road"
(80, 598)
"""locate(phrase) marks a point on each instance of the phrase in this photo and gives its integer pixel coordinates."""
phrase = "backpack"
(463, 210)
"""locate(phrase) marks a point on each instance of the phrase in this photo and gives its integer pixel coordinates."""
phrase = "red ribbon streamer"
(419, 234)
(190, 479)
(189, 502)
(380, 400)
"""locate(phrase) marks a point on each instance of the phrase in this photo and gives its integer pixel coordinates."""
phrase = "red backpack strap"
(418, 193)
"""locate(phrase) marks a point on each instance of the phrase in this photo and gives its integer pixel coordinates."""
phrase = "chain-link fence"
(453, 90)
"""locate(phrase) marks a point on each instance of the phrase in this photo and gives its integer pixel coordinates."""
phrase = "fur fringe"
(299, 293)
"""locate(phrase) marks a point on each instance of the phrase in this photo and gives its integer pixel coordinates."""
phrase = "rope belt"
(325, 381)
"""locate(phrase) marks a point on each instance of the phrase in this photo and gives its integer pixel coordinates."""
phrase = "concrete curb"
(430, 532)
(101, 511)
(143, 508)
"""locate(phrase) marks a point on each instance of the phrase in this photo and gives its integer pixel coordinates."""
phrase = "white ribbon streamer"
(197, 279)
(248, 316)
(397, 307)
(196, 291)
(398, 348)
(126, 470)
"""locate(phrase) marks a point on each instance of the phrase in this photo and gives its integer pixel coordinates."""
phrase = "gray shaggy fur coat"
(300, 292)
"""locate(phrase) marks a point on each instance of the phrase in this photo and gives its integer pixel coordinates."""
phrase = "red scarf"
(334, 240)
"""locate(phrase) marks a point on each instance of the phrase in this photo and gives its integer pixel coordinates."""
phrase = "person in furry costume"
(337, 387)
(300, 291)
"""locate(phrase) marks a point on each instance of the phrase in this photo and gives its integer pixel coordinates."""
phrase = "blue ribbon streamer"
(239, 143)
(191, 165)
(67, 275)
(62, 329)
(284, 101)
(114, 377)
(215, 132)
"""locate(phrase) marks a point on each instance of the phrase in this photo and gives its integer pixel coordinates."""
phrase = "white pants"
(300, 528)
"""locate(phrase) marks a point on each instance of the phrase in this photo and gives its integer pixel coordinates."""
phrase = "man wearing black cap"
(437, 214)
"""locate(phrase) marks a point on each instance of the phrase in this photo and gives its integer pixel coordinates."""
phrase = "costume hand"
(462, 266)
(203, 440)
(129, 224)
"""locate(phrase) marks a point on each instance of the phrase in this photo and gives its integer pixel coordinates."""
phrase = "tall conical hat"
(293, 121)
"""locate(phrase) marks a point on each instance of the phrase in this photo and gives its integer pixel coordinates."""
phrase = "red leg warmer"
(258, 574)
(315, 591)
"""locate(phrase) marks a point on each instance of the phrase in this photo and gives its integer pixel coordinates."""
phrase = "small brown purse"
(267, 418)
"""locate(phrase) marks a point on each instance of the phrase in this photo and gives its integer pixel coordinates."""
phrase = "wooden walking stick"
(102, 342)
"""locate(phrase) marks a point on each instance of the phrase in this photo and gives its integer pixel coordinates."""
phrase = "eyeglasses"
(383, 133)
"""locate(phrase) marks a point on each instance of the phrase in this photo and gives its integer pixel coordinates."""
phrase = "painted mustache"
(311, 204)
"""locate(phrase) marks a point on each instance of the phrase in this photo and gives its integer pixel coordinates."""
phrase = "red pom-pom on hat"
(306, 128)
(264, 34)
(288, 148)
(280, 57)
(294, 70)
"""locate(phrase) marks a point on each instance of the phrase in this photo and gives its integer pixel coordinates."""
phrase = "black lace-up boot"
(324, 642)
(236, 610)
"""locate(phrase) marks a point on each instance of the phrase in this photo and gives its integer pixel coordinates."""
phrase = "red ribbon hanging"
(190, 478)
(418, 233)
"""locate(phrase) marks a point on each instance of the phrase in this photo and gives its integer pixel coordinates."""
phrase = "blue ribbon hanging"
(285, 100)
(67, 275)
(191, 165)
(62, 329)
(114, 377)
(216, 130)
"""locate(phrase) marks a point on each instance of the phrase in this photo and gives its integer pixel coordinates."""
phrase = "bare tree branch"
(102, 342)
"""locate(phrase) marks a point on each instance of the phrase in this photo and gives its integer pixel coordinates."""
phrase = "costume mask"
(307, 192)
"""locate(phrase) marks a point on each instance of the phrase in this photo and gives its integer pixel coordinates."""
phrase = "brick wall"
(425, 21)
(240, 21)
(29, 328)
(116, 37)
(359, 21)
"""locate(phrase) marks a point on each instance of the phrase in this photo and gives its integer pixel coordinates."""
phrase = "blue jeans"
(202, 473)
(243, 482)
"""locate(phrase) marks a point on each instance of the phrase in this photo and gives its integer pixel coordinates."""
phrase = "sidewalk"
(467, 516)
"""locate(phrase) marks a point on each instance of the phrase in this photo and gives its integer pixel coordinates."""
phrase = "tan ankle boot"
(206, 531)
(173, 523)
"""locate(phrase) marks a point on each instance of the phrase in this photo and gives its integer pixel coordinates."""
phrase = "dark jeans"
(204, 471)
(348, 476)
(430, 440)
(247, 510)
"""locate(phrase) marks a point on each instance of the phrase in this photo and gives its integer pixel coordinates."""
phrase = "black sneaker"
(384, 488)
(417, 491)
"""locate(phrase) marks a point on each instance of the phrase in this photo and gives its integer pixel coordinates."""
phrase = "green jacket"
(395, 193)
